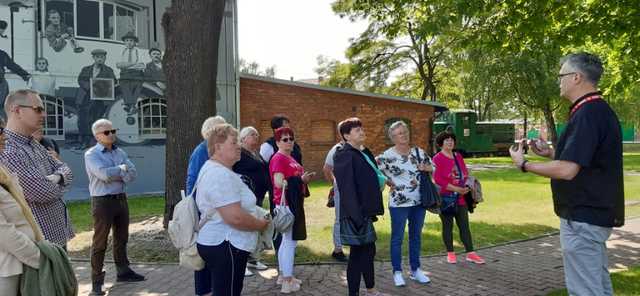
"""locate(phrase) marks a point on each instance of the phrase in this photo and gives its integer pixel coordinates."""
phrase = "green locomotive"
(474, 138)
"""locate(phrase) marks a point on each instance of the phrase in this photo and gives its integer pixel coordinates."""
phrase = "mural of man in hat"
(57, 33)
(91, 110)
(131, 72)
(153, 73)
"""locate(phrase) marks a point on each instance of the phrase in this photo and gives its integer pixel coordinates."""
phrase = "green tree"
(254, 68)
(405, 36)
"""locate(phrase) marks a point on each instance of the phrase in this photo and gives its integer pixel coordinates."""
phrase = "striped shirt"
(31, 162)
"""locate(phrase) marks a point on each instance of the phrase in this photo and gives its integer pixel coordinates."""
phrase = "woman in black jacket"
(361, 185)
(252, 167)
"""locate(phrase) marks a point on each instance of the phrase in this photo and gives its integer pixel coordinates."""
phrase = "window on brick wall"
(389, 122)
(323, 132)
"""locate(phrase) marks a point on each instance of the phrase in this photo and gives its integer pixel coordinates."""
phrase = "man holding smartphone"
(586, 176)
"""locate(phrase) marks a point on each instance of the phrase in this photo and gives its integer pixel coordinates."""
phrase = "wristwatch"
(522, 168)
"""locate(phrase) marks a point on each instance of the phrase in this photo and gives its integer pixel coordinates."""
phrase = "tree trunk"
(192, 31)
(551, 123)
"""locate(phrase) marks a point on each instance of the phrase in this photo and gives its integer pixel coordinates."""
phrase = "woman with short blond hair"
(230, 230)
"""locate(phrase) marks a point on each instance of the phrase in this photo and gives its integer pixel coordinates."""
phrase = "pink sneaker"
(451, 257)
(475, 258)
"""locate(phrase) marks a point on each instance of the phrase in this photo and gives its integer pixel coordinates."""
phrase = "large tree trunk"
(192, 30)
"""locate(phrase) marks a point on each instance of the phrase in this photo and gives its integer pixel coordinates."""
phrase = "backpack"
(183, 231)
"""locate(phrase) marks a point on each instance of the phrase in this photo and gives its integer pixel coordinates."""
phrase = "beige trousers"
(10, 285)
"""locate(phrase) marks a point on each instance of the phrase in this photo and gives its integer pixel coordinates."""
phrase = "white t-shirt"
(218, 186)
(329, 159)
(266, 151)
(403, 172)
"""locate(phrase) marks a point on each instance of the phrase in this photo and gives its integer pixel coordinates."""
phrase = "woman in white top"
(230, 232)
(400, 165)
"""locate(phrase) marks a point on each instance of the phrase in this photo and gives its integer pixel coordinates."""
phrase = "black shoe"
(339, 256)
(96, 290)
(130, 276)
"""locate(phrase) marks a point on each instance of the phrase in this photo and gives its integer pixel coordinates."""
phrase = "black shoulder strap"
(418, 154)
(455, 160)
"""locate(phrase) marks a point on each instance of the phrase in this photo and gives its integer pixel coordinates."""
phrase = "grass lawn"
(517, 206)
(625, 283)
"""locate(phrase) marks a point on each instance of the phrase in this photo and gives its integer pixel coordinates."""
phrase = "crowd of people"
(231, 174)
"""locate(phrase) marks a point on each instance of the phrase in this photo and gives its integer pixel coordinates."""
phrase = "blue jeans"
(399, 217)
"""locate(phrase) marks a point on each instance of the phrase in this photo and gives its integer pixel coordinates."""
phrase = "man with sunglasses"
(43, 178)
(109, 169)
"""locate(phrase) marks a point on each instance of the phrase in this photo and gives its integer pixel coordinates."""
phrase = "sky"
(291, 34)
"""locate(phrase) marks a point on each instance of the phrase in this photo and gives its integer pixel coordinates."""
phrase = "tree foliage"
(499, 58)
(254, 68)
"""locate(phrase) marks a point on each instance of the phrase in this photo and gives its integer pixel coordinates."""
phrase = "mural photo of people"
(6, 62)
(94, 79)
(131, 72)
(58, 32)
(153, 73)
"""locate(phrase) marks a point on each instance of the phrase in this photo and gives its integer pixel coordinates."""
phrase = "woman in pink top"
(451, 174)
(281, 167)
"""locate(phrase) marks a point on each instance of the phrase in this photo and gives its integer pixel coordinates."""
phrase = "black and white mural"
(92, 59)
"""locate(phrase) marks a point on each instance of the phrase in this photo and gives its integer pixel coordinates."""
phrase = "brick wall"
(315, 112)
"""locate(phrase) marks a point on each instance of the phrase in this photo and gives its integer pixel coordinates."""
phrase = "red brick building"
(316, 110)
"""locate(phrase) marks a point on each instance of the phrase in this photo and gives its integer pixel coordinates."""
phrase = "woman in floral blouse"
(400, 164)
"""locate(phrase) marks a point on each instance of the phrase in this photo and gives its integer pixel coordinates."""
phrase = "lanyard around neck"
(584, 101)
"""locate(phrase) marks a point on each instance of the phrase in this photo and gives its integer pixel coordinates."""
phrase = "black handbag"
(350, 235)
(429, 196)
(449, 204)
(468, 198)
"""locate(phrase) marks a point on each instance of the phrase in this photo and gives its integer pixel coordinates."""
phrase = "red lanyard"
(584, 101)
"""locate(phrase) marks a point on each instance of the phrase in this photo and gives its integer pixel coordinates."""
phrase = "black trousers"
(361, 265)
(109, 213)
(462, 219)
(227, 264)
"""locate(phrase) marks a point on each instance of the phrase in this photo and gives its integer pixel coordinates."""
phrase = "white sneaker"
(247, 272)
(295, 280)
(398, 279)
(289, 286)
(420, 277)
(257, 265)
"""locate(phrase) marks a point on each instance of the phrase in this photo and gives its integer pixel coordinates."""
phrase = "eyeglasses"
(565, 74)
(37, 109)
(286, 140)
(109, 132)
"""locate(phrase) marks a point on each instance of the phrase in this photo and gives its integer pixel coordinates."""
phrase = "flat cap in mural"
(99, 51)
(130, 35)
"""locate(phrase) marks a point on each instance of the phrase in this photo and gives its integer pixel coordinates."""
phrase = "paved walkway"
(531, 267)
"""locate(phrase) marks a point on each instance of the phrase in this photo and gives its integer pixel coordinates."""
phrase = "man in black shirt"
(586, 176)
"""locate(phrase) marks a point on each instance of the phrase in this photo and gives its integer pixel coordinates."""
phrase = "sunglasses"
(109, 132)
(286, 140)
(37, 109)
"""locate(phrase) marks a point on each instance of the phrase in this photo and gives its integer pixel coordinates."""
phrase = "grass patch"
(517, 206)
(625, 283)
(139, 209)
(631, 161)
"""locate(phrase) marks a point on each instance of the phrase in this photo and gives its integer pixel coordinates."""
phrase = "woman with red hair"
(284, 170)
